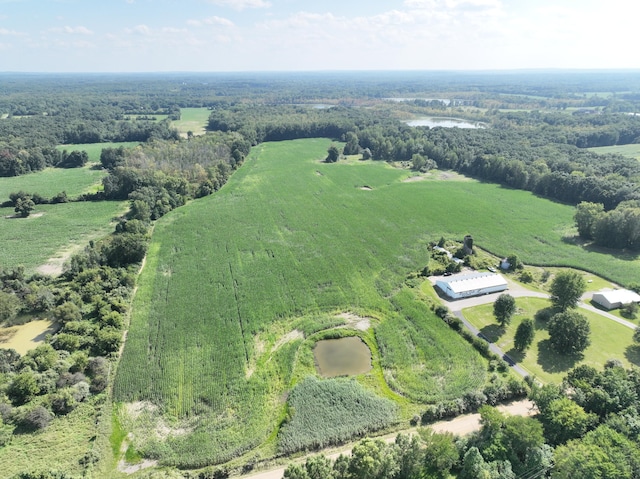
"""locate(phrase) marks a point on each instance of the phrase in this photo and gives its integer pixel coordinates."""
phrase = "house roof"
(474, 281)
(622, 296)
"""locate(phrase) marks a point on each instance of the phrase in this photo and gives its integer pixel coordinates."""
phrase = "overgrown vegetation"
(327, 412)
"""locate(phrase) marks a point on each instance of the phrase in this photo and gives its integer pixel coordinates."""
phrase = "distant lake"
(445, 122)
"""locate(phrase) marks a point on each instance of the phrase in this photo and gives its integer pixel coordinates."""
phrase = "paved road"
(460, 426)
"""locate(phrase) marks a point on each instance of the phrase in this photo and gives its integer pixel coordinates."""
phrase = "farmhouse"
(474, 284)
(615, 298)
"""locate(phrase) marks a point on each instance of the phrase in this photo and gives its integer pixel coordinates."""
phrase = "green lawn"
(609, 340)
(192, 119)
(631, 151)
(52, 230)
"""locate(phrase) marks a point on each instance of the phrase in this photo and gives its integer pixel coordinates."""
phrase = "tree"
(566, 289)
(603, 454)
(586, 216)
(569, 332)
(372, 459)
(24, 206)
(333, 154)
(351, 147)
(37, 418)
(636, 335)
(9, 306)
(524, 335)
(23, 388)
(514, 262)
(8, 360)
(504, 308)
(440, 453)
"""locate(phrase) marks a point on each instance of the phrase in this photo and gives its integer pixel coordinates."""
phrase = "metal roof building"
(473, 284)
(615, 298)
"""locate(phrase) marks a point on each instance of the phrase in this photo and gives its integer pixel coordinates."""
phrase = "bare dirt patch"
(413, 179)
(287, 338)
(54, 265)
(358, 322)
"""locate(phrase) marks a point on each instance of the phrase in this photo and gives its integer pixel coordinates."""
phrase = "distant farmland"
(290, 239)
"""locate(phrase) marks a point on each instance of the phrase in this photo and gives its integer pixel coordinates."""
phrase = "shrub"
(37, 418)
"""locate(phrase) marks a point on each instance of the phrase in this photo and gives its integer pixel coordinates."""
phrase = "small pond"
(342, 357)
(446, 122)
(27, 336)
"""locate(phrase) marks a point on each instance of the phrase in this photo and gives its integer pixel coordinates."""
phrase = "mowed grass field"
(192, 119)
(95, 149)
(609, 340)
(631, 151)
(51, 181)
(52, 230)
(289, 237)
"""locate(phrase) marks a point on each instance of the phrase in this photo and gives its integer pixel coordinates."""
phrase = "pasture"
(94, 149)
(51, 181)
(290, 238)
(192, 119)
(53, 231)
(630, 151)
(609, 340)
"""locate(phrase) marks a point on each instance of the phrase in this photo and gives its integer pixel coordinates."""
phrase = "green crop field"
(631, 151)
(94, 149)
(192, 119)
(609, 340)
(290, 237)
(52, 230)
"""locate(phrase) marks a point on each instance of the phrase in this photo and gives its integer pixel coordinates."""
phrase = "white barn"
(474, 284)
(615, 298)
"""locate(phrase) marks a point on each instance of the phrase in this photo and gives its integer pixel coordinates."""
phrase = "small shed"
(471, 284)
(615, 298)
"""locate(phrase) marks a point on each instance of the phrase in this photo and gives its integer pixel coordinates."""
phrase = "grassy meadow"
(52, 230)
(192, 119)
(609, 340)
(95, 149)
(291, 238)
(51, 181)
(631, 151)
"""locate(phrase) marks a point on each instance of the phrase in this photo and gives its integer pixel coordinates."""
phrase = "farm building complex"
(474, 284)
(615, 298)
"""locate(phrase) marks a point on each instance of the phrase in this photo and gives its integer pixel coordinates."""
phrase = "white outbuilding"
(615, 298)
(471, 284)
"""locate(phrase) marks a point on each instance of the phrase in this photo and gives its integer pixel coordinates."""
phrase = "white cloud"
(241, 4)
(4, 31)
(72, 30)
(139, 30)
(215, 20)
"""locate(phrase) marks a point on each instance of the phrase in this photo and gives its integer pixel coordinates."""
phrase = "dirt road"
(460, 426)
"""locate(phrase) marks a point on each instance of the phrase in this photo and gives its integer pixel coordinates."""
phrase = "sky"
(324, 35)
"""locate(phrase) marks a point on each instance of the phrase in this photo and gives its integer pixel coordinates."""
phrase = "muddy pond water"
(342, 357)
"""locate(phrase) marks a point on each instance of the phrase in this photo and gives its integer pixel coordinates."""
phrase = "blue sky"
(256, 35)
